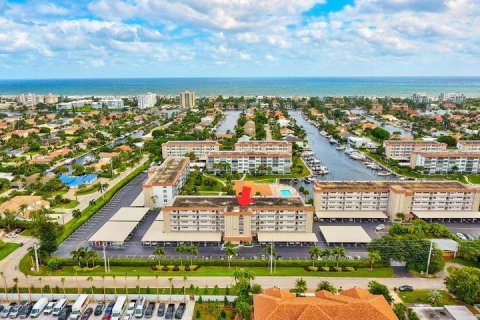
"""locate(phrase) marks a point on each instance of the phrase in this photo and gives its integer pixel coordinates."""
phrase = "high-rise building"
(51, 99)
(147, 100)
(451, 97)
(187, 99)
(420, 97)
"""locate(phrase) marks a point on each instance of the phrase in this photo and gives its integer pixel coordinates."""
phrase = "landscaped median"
(74, 224)
(8, 248)
(150, 267)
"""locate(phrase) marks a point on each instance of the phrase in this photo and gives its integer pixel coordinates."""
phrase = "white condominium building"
(420, 97)
(249, 162)
(451, 97)
(187, 99)
(165, 182)
(401, 150)
(217, 218)
(446, 162)
(199, 147)
(385, 199)
(113, 103)
(264, 146)
(147, 100)
(468, 145)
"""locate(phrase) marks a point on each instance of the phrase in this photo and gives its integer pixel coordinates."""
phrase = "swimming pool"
(286, 193)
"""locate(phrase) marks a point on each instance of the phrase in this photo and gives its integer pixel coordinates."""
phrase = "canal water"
(229, 122)
(340, 165)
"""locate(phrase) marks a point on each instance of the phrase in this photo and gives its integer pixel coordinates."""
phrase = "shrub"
(53, 264)
(326, 269)
(310, 268)
(337, 269)
(349, 269)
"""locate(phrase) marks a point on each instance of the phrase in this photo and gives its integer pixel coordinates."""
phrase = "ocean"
(327, 86)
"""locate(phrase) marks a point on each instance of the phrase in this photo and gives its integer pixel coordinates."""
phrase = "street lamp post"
(35, 248)
(105, 258)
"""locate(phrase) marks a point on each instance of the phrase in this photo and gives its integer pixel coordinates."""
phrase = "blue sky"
(205, 38)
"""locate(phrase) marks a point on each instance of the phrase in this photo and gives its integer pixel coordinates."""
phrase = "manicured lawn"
(91, 189)
(421, 296)
(8, 248)
(70, 205)
(211, 311)
(473, 178)
(209, 271)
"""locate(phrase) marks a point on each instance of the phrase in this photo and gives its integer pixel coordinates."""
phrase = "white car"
(380, 227)
(131, 308)
(461, 236)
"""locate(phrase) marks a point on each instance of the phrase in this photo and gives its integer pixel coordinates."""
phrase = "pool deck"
(264, 189)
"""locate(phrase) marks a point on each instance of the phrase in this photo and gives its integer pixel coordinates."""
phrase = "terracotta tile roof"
(352, 304)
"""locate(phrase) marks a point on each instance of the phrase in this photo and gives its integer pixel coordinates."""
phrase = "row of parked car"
(120, 309)
(465, 236)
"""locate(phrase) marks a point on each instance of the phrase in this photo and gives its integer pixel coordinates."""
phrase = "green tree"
(464, 283)
(244, 309)
(374, 257)
(375, 287)
(449, 140)
(300, 286)
(435, 297)
(314, 252)
(230, 251)
(181, 249)
(192, 251)
(339, 252)
(327, 286)
(159, 252)
(76, 214)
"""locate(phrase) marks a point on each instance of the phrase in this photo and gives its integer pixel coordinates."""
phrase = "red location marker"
(244, 200)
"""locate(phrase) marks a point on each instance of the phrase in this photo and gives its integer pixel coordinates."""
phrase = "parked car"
(405, 288)
(461, 235)
(65, 313)
(49, 308)
(469, 236)
(6, 311)
(109, 308)
(180, 311)
(26, 311)
(380, 227)
(127, 316)
(99, 308)
(107, 316)
(15, 312)
(150, 309)
(358, 258)
(1, 307)
(161, 309)
(86, 314)
(131, 307)
(170, 311)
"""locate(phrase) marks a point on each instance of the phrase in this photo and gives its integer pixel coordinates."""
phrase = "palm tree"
(28, 288)
(231, 252)
(90, 279)
(15, 281)
(339, 252)
(76, 255)
(327, 253)
(159, 252)
(62, 280)
(114, 285)
(103, 284)
(126, 286)
(192, 251)
(50, 287)
(314, 252)
(181, 249)
(76, 214)
(184, 288)
(270, 250)
(327, 286)
(156, 284)
(4, 285)
(300, 286)
(374, 257)
(91, 255)
(138, 284)
(170, 281)
(41, 288)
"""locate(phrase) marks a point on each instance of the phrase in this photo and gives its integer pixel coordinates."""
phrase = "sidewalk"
(84, 201)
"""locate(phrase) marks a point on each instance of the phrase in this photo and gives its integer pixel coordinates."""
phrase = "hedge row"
(126, 262)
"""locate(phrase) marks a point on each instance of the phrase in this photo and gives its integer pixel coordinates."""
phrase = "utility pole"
(37, 266)
(429, 255)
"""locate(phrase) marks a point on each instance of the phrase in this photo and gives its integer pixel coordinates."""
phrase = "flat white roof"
(155, 233)
(159, 216)
(133, 214)
(460, 312)
(139, 201)
(345, 234)
(350, 215)
(114, 231)
(446, 244)
(287, 237)
(447, 214)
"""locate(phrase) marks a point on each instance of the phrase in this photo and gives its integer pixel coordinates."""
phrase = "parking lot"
(188, 314)
(134, 249)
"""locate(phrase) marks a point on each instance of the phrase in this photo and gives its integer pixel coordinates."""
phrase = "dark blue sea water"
(337, 86)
